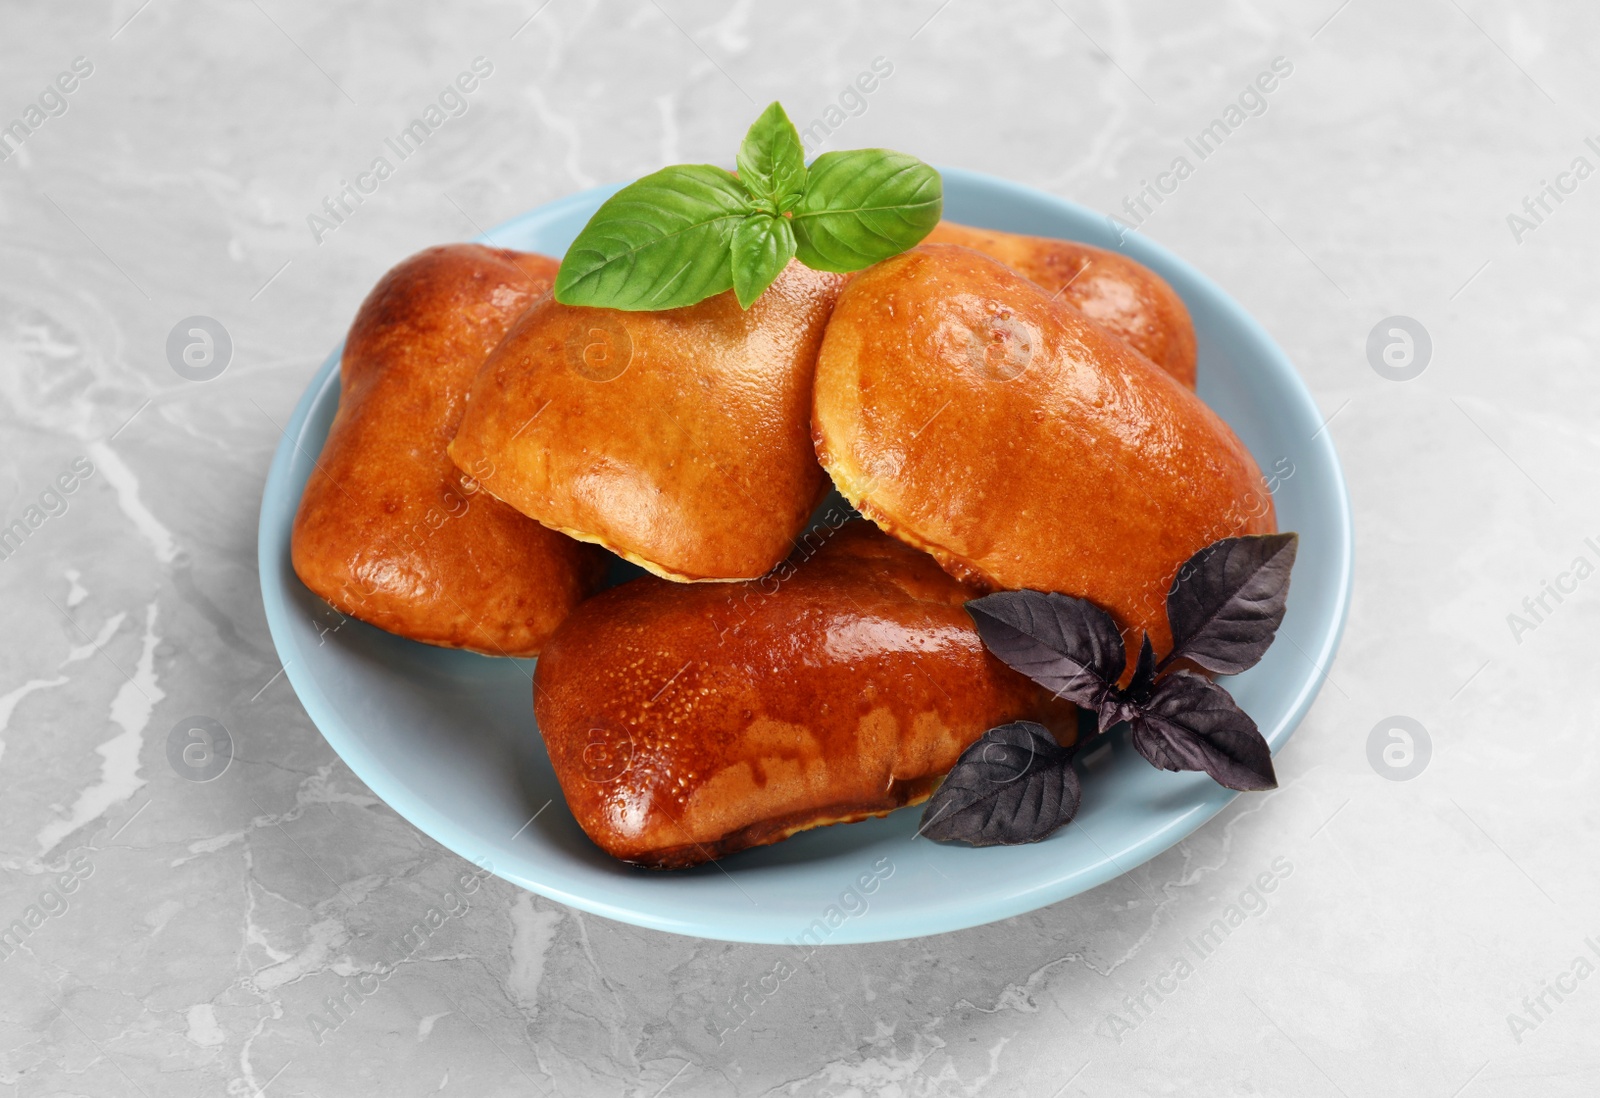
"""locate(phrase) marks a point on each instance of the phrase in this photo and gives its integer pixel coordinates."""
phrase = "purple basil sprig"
(1017, 785)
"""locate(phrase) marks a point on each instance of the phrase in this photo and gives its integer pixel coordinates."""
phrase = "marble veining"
(278, 930)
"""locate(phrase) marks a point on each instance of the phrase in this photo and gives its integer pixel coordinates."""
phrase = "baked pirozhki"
(1120, 294)
(389, 530)
(677, 439)
(1067, 540)
(967, 413)
(685, 722)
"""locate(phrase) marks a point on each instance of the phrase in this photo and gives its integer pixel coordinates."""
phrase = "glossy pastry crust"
(968, 414)
(1124, 296)
(679, 440)
(688, 722)
(389, 530)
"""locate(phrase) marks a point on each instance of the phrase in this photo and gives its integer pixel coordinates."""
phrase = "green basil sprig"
(684, 233)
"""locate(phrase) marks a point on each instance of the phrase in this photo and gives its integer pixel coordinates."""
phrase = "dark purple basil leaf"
(1069, 646)
(1191, 723)
(1115, 709)
(1227, 602)
(1144, 674)
(1014, 785)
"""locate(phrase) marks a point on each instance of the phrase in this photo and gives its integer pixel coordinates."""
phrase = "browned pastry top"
(677, 439)
(1122, 295)
(686, 722)
(389, 530)
(969, 414)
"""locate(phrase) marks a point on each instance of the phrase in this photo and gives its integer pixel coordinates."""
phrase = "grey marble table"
(1433, 927)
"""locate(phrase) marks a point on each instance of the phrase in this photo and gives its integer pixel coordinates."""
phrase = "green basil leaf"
(864, 205)
(762, 247)
(660, 243)
(772, 162)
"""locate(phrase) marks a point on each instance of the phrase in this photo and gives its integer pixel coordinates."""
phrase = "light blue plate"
(448, 738)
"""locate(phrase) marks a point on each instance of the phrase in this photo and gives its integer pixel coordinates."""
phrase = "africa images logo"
(452, 102)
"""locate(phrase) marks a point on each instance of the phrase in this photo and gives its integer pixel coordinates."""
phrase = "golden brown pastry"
(389, 530)
(968, 414)
(1124, 296)
(678, 439)
(688, 722)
